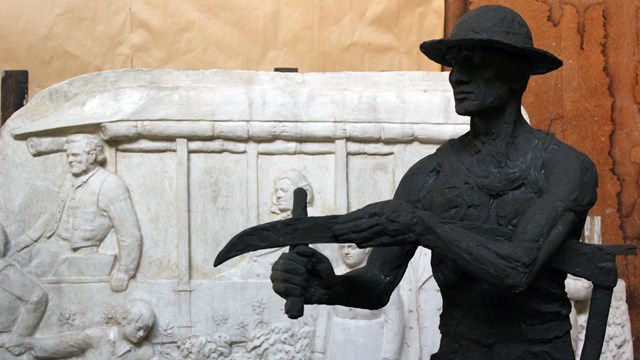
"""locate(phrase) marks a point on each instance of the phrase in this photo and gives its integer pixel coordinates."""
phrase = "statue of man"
(92, 202)
(493, 206)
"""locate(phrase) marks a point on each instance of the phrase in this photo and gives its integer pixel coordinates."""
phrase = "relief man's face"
(283, 195)
(80, 161)
(352, 256)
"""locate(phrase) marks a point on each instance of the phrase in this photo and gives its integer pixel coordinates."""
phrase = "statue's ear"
(92, 157)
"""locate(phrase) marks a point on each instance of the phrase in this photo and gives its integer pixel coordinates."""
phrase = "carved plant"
(259, 340)
(67, 319)
(258, 307)
(110, 316)
(220, 320)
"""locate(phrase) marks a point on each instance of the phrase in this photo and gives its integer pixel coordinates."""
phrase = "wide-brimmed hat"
(493, 26)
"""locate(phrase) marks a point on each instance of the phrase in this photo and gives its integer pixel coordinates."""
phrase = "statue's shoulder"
(560, 154)
(420, 176)
(576, 175)
(112, 186)
(110, 180)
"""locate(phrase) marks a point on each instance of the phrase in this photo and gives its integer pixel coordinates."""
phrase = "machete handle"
(294, 305)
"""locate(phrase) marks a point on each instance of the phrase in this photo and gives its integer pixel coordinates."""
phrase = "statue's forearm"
(494, 253)
(371, 286)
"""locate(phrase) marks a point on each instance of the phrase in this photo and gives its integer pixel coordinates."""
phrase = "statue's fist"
(303, 273)
(119, 281)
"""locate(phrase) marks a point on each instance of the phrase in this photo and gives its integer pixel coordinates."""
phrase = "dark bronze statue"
(502, 208)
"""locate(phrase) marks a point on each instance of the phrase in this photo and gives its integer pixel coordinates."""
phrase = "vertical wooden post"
(14, 91)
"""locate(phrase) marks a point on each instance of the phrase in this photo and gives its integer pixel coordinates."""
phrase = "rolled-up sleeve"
(115, 201)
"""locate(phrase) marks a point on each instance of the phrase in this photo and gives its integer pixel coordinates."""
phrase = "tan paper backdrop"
(59, 39)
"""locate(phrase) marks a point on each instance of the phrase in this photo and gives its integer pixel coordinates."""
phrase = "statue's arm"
(304, 272)
(515, 259)
(372, 285)
(560, 213)
(116, 202)
(39, 229)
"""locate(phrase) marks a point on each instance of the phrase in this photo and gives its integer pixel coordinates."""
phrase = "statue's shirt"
(469, 187)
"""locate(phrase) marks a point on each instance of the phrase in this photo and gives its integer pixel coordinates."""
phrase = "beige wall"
(57, 40)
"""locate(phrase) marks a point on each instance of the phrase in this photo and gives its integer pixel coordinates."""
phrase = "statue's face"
(136, 331)
(80, 161)
(479, 82)
(283, 195)
(352, 256)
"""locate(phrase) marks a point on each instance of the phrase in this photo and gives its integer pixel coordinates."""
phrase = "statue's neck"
(494, 129)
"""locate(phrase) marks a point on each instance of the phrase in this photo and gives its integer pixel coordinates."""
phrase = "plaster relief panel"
(380, 332)
(280, 173)
(218, 206)
(366, 185)
(152, 182)
(196, 175)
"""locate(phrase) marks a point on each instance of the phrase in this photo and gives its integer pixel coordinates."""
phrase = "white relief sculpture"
(22, 304)
(92, 202)
(123, 341)
(282, 196)
(618, 341)
(224, 122)
(259, 339)
(578, 291)
(379, 332)
(422, 306)
(259, 263)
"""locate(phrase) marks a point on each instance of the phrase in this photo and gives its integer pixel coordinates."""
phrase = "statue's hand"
(305, 273)
(119, 281)
(386, 223)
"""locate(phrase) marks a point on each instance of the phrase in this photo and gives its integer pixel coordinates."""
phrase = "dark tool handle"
(597, 264)
(294, 307)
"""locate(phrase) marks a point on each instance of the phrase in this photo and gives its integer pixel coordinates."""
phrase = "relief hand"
(119, 281)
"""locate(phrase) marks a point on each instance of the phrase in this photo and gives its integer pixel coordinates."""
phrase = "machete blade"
(289, 232)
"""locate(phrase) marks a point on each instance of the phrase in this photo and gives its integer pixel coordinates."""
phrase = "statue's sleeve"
(115, 200)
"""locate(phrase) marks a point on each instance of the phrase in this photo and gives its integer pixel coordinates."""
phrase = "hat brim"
(541, 61)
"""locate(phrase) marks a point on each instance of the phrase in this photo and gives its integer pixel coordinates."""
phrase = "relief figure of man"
(92, 202)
